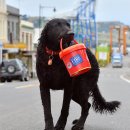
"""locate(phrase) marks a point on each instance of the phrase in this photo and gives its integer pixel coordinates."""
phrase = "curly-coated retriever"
(52, 74)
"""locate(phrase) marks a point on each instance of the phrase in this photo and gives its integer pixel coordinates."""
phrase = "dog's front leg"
(60, 125)
(46, 102)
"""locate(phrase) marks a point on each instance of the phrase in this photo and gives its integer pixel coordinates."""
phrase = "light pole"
(40, 9)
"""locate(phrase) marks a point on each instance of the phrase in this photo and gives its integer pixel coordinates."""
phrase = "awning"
(15, 45)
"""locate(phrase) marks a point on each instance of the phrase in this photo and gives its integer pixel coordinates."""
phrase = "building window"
(22, 36)
(17, 31)
(12, 27)
(8, 30)
(27, 38)
(27, 41)
(30, 41)
(13, 30)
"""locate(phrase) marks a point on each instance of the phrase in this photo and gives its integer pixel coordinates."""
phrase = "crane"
(84, 24)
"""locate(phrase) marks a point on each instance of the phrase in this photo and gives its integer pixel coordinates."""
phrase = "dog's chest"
(57, 77)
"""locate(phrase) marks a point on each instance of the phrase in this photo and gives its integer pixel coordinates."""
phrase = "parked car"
(13, 69)
(117, 59)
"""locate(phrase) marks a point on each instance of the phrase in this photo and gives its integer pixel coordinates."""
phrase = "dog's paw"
(75, 121)
(77, 128)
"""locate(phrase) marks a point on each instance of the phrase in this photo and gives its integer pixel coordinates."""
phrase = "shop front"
(19, 50)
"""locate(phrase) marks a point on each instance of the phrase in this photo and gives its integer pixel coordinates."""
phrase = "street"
(21, 108)
(34, 34)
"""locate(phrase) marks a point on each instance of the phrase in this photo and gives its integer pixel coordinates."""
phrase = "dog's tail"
(100, 105)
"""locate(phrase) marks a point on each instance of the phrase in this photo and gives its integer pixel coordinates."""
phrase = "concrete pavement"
(126, 65)
(126, 61)
(21, 107)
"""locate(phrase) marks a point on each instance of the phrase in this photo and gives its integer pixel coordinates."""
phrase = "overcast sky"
(106, 10)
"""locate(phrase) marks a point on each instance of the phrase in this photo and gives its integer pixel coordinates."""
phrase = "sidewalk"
(127, 63)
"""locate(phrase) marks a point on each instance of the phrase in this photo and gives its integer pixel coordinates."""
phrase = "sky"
(106, 10)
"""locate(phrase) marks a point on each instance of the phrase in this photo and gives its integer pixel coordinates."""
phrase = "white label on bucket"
(69, 65)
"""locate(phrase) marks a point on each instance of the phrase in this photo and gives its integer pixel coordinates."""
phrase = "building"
(12, 46)
(26, 36)
(13, 24)
(16, 36)
(3, 26)
(3, 21)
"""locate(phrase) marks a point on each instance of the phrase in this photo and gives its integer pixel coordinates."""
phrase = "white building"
(13, 24)
(3, 25)
(3, 21)
(26, 34)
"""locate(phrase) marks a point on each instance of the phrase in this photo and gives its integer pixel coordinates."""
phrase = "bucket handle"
(61, 43)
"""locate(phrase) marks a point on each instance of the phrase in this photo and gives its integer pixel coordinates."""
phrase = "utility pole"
(40, 17)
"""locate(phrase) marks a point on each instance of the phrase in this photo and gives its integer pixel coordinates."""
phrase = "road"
(21, 109)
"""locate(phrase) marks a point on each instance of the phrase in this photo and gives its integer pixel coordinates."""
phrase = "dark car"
(13, 69)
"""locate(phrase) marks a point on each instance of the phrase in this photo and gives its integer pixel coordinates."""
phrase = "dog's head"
(54, 31)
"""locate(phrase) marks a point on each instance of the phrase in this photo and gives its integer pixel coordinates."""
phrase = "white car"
(117, 60)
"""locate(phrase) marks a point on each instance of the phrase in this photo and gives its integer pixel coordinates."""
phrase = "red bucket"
(75, 59)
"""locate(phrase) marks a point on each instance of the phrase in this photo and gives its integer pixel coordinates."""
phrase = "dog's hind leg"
(45, 96)
(82, 100)
(76, 120)
(60, 125)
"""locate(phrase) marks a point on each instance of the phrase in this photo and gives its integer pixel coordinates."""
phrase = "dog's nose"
(70, 32)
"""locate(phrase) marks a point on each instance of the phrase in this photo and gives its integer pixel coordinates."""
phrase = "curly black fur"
(56, 77)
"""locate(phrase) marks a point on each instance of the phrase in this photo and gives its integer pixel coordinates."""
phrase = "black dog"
(52, 74)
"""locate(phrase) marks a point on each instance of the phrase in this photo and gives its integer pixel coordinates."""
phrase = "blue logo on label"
(76, 60)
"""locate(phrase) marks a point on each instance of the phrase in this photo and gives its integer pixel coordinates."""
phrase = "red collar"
(52, 52)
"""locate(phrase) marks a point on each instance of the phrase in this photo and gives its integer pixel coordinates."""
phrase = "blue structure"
(84, 25)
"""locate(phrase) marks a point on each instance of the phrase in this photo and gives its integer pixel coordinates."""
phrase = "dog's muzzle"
(69, 36)
(70, 32)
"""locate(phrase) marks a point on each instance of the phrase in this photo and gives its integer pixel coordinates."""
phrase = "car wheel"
(2, 80)
(27, 78)
(22, 78)
(11, 69)
(121, 66)
(9, 80)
